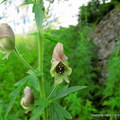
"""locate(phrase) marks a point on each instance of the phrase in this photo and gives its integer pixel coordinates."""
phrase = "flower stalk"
(52, 92)
(23, 60)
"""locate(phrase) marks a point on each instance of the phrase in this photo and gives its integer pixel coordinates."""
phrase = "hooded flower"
(28, 98)
(60, 68)
(7, 39)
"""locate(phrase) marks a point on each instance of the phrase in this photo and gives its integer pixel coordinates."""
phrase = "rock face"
(105, 37)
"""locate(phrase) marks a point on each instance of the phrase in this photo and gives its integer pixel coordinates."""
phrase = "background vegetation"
(81, 51)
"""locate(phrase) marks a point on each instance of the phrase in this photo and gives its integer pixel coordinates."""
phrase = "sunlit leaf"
(27, 3)
(3, 1)
(39, 14)
(51, 38)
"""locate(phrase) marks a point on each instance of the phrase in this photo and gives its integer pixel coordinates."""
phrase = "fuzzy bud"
(28, 99)
(7, 39)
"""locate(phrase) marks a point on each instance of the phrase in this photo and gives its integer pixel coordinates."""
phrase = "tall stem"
(40, 65)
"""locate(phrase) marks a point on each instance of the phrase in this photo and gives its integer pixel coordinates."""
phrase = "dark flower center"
(60, 68)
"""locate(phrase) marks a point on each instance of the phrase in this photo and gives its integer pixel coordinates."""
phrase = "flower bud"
(58, 53)
(60, 68)
(7, 39)
(28, 99)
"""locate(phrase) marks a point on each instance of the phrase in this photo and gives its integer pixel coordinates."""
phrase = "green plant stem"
(23, 60)
(52, 92)
(40, 66)
(40, 63)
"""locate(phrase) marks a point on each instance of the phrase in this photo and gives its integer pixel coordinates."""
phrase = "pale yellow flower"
(60, 69)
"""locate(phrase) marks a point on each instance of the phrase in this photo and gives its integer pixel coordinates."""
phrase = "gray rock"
(105, 37)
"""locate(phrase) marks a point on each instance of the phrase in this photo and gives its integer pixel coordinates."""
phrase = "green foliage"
(75, 103)
(29, 80)
(81, 53)
(112, 84)
(79, 107)
(16, 71)
(26, 46)
(12, 100)
(95, 11)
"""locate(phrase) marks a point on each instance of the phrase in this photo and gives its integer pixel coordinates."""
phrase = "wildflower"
(28, 99)
(7, 39)
(60, 68)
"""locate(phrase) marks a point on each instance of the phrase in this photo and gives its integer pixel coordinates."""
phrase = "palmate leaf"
(33, 79)
(57, 112)
(39, 14)
(37, 112)
(66, 91)
(13, 96)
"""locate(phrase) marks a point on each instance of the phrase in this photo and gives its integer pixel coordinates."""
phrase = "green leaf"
(58, 112)
(51, 38)
(39, 14)
(64, 112)
(12, 100)
(27, 3)
(66, 91)
(34, 82)
(3, 1)
(38, 73)
(39, 109)
(33, 79)
(22, 81)
(55, 40)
